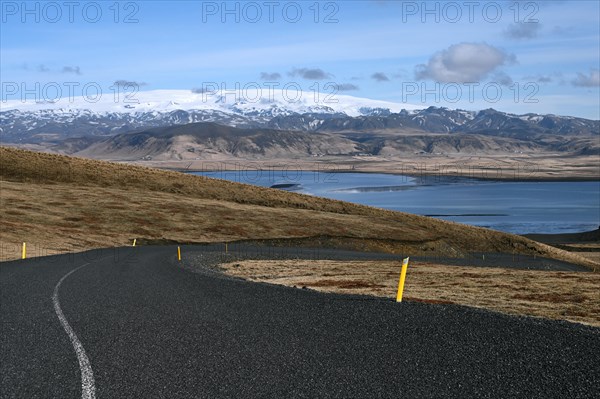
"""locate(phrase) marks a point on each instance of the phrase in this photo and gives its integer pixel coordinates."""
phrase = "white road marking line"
(88, 387)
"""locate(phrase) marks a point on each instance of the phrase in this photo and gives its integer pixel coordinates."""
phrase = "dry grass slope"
(59, 203)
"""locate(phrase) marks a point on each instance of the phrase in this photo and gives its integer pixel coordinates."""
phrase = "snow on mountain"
(31, 121)
(252, 102)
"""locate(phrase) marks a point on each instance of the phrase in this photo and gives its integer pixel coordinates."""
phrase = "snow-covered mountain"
(253, 102)
(69, 117)
(31, 121)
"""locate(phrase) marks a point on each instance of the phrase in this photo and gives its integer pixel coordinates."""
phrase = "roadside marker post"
(178, 253)
(226, 249)
(134, 240)
(402, 279)
(24, 251)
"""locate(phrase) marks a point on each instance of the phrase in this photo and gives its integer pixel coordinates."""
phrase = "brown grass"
(555, 295)
(63, 203)
(593, 256)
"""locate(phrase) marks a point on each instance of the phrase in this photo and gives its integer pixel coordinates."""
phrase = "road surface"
(132, 323)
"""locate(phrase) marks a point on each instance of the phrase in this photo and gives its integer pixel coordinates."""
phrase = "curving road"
(135, 324)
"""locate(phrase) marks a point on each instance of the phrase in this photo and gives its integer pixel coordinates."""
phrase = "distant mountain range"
(35, 121)
(77, 117)
(276, 127)
(207, 140)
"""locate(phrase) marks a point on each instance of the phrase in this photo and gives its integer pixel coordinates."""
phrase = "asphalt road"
(136, 324)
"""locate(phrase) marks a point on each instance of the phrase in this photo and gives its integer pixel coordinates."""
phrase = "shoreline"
(530, 167)
(507, 167)
(548, 179)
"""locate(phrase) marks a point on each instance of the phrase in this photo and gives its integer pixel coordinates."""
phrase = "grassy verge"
(555, 295)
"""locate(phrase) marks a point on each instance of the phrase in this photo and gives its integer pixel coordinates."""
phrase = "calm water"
(516, 207)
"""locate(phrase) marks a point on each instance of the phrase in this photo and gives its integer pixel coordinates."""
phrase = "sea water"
(511, 206)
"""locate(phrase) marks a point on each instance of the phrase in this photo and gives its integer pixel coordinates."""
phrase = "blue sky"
(520, 57)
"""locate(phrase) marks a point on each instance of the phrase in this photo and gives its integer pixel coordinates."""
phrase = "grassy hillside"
(58, 203)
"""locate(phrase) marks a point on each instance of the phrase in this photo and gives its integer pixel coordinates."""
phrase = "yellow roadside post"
(134, 240)
(178, 253)
(402, 279)
(24, 251)
(226, 248)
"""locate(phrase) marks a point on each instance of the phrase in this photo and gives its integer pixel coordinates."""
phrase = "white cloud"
(129, 83)
(380, 77)
(502, 78)
(587, 80)
(463, 63)
(522, 30)
(70, 69)
(311, 73)
(347, 87)
(270, 75)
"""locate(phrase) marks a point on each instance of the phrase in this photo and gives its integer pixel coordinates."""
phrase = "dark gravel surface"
(152, 329)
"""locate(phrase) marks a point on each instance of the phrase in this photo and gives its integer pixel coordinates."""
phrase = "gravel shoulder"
(498, 282)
